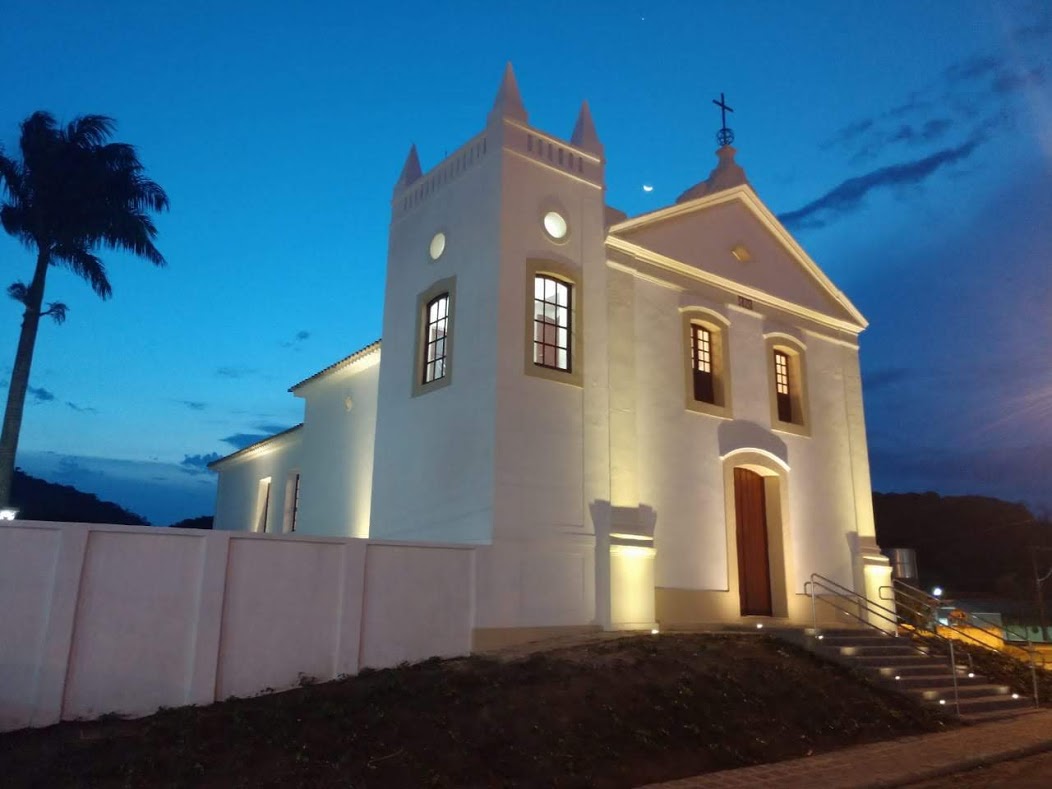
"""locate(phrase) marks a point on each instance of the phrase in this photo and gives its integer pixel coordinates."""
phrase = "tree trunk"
(16, 393)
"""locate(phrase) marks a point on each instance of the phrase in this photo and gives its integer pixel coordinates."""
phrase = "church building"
(639, 421)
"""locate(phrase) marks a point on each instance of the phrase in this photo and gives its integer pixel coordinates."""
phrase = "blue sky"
(908, 146)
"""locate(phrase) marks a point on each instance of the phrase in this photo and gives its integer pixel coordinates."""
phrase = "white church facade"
(639, 422)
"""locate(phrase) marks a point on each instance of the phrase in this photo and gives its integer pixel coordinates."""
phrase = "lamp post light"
(1039, 581)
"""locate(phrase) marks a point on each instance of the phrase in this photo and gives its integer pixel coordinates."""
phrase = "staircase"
(903, 666)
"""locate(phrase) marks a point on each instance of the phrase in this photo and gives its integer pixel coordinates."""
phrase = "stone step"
(901, 665)
(936, 692)
(996, 715)
(911, 670)
(991, 704)
(902, 660)
(884, 650)
(860, 640)
(910, 682)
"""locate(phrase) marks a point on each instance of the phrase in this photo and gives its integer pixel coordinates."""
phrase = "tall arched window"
(552, 316)
(433, 360)
(436, 329)
(707, 368)
(788, 383)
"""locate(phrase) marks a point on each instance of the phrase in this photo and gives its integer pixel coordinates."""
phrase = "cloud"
(271, 427)
(235, 372)
(851, 132)
(975, 86)
(850, 195)
(1011, 81)
(883, 379)
(972, 68)
(194, 405)
(299, 338)
(1035, 31)
(82, 409)
(162, 492)
(242, 440)
(40, 394)
(198, 463)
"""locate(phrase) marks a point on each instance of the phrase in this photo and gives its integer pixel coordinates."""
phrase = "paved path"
(893, 763)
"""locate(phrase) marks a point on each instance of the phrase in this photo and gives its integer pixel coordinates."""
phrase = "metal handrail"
(929, 611)
(871, 608)
(923, 613)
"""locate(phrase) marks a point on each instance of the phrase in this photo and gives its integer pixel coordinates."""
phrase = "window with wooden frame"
(788, 384)
(292, 501)
(706, 362)
(782, 384)
(433, 360)
(436, 325)
(552, 327)
(701, 364)
(262, 506)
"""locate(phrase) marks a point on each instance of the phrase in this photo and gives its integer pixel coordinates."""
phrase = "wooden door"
(754, 570)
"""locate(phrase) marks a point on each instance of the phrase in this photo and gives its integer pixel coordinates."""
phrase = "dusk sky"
(907, 145)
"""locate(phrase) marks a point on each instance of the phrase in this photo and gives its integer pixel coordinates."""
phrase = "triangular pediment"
(707, 236)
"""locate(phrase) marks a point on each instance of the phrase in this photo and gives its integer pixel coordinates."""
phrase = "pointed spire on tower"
(584, 135)
(508, 103)
(410, 170)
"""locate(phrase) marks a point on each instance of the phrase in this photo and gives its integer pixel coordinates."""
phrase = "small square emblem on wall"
(744, 302)
(741, 254)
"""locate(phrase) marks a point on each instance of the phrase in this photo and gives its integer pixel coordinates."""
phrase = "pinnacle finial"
(508, 103)
(584, 134)
(725, 136)
(410, 170)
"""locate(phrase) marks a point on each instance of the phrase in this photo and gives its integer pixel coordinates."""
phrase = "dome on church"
(726, 174)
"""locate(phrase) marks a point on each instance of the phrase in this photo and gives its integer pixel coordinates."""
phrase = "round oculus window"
(438, 246)
(555, 225)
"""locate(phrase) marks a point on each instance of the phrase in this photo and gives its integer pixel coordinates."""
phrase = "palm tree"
(72, 193)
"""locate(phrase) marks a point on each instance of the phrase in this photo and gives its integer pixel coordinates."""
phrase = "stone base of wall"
(693, 608)
(487, 639)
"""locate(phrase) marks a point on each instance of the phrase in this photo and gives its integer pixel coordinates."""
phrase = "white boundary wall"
(99, 618)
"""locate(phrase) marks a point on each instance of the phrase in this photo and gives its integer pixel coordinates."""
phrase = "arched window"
(553, 343)
(433, 367)
(701, 364)
(435, 331)
(707, 368)
(552, 322)
(788, 390)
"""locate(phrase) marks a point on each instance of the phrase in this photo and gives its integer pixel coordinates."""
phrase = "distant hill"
(36, 499)
(969, 545)
(200, 522)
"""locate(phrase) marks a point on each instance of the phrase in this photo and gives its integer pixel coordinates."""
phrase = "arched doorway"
(754, 567)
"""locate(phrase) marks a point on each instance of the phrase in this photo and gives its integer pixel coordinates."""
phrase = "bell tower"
(493, 361)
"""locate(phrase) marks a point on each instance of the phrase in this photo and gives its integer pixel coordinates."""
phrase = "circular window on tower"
(555, 225)
(438, 246)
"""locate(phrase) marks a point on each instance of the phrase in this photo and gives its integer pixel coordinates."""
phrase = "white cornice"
(553, 168)
(653, 258)
(264, 447)
(744, 194)
(595, 159)
(663, 283)
(346, 361)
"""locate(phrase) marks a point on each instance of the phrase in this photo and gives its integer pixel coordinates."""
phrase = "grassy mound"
(614, 713)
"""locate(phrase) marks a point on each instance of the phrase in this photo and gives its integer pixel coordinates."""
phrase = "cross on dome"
(724, 136)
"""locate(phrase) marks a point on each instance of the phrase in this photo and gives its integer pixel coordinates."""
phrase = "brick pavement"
(893, 763)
